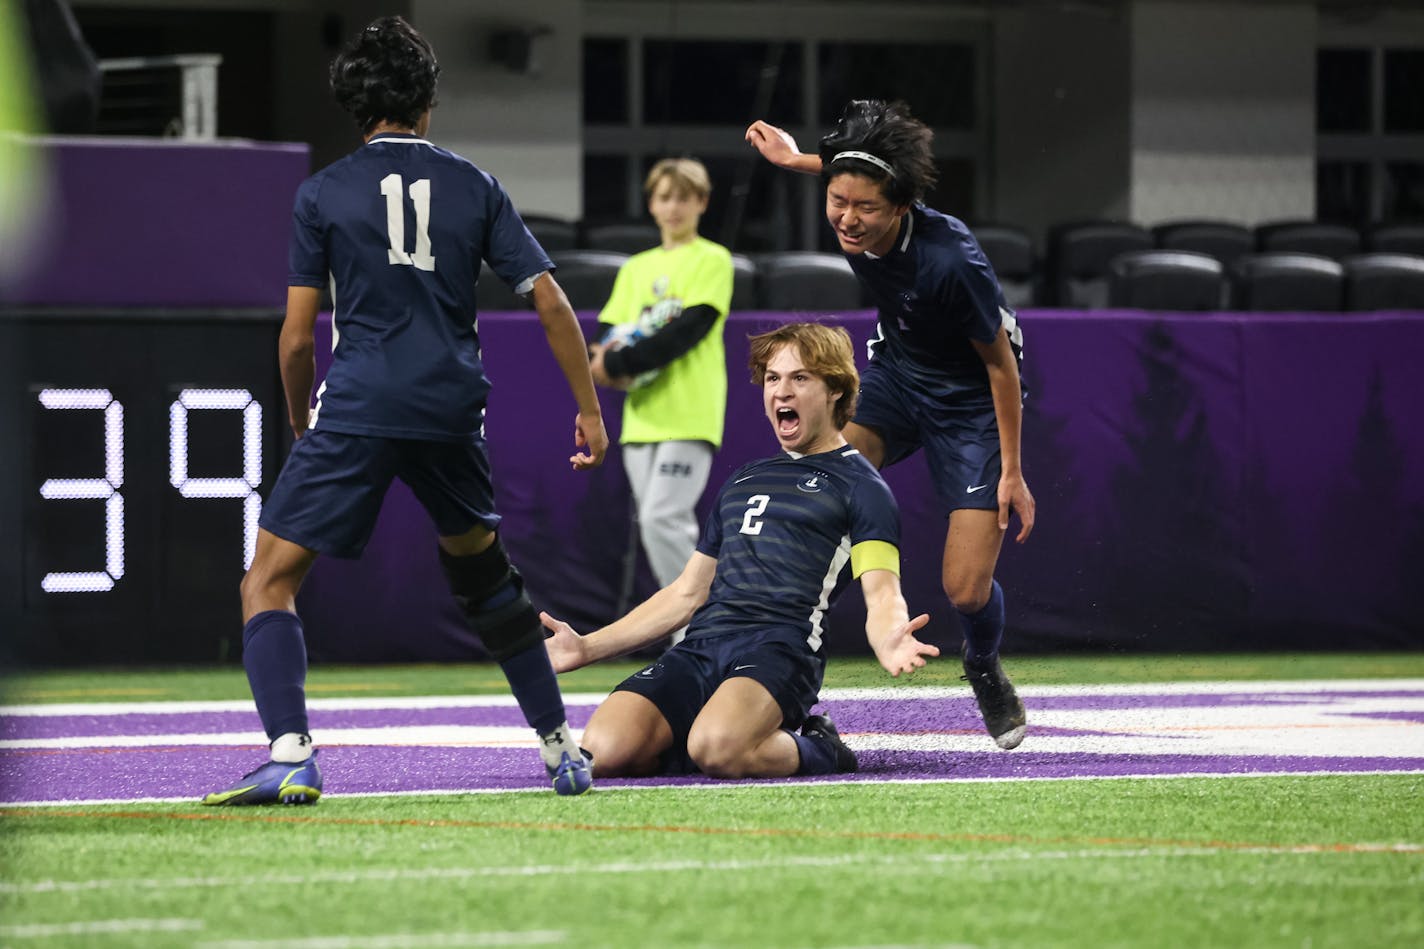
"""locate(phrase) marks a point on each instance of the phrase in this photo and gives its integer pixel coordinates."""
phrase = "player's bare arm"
(669, 609)
(566, 342)
(778, 147)
(296, 354)
(888, 627)
(1014, 494)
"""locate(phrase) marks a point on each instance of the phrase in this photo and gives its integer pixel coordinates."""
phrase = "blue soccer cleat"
(276, 782)
(571, 775)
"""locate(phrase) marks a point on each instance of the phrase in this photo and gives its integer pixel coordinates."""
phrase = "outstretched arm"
(778, 147)
(1003, 371)
(657, 616)
(566, 342)
(888, 626)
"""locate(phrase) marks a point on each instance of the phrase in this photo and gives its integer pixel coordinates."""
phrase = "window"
(720, 82)
(605, 81)
(937, 80)
(1342, 101)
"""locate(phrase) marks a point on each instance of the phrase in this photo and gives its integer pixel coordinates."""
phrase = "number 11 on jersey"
(422, 259)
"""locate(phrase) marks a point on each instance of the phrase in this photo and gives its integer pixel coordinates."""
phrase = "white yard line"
(99, 927)
(900, 863)
(532, 937)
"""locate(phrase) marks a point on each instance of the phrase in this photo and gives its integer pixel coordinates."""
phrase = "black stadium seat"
(1079, 254)
(1384, 282)
(552, 233)
(1221, 239)
(1167, 280)
(491, 293)
(1308, 237)
(806, 280)
(587, 275)
(623, 237)
(1396, 238)
(744, 278)
(1280, 281)
(1010, 252)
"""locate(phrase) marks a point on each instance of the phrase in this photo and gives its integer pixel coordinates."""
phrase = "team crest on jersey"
(660, 287)
(812, 483)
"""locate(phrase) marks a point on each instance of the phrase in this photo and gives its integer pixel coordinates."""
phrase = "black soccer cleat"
(821, 728)
(1004, 716)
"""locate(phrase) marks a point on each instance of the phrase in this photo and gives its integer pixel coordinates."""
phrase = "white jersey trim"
(399, 141)
(828, 583)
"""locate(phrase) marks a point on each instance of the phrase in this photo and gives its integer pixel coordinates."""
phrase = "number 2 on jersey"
(756, 506)
(422, 259)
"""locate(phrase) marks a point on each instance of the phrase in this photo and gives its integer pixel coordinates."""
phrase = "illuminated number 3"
(756, 506)
(422, 259)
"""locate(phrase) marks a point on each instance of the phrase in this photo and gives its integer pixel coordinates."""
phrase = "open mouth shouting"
(788, 424)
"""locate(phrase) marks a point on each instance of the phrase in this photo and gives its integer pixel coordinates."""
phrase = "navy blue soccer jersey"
(783, 530)
(936, 291)
(398, 229)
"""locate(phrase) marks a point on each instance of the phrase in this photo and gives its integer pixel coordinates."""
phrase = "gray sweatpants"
(668, 479)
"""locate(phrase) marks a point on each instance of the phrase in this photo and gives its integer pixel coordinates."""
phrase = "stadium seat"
(1384, 282)
(1280, 281)
(1010, 252)
(1396, 238)
(491, 293)
(1079, 254)
(552, 233)
(1167, 280)
(744, 278)
(1308, 237)
(623, 237)
(587, 275)
(1223, 240)
(806, 280)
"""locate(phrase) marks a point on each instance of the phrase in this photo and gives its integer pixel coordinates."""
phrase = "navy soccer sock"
(274, 653)
(536, 689)
(984, 630)
(817, 757)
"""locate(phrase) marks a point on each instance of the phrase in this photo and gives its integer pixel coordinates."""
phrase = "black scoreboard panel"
(140, 447)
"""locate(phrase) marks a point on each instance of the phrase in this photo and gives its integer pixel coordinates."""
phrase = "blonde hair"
(688, 176)
(825, 350)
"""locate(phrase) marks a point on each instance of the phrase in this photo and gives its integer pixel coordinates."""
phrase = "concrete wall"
(1060, 115)
(1222, 111)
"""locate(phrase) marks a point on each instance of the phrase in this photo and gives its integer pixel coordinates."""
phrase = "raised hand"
(901, 651)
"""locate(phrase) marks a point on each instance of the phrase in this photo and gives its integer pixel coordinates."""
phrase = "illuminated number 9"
(244, 487)
(104, 489)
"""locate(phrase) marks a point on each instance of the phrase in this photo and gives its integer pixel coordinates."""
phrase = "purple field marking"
(159, 772)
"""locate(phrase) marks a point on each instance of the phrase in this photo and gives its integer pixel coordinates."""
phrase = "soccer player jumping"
(398, 229)
(944, 367)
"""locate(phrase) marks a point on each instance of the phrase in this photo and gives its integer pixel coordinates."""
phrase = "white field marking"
(532, 937)
(1266, 722)
(99, 927)
(827, 695)
(760, 783)
(904, 863)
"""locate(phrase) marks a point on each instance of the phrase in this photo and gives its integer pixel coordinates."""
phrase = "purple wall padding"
(156, 222)
(1205, 482)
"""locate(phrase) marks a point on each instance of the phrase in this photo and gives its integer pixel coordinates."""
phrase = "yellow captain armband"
(874, 555)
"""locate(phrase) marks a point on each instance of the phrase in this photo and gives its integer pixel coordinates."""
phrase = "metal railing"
(172, 96)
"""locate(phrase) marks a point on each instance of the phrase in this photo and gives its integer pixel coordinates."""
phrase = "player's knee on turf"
(491, 594)
(719, 751)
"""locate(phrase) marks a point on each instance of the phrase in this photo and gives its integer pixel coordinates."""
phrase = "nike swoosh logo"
(980, 487)
(747, 478)
(740, 668)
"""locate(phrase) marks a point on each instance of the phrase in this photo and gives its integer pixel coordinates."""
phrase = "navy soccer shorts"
(684, 678)
(960, 435)
(331, 488)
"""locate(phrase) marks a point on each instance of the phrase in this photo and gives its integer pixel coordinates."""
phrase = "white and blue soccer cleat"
(276, 782)
(572, 775)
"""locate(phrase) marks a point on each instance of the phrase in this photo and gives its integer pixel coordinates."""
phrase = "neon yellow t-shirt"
(688, 399)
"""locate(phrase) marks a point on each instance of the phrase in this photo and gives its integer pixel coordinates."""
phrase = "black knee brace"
(507, 629)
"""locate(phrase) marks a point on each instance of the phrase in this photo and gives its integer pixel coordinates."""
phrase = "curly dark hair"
(386, 72)
(887, 131)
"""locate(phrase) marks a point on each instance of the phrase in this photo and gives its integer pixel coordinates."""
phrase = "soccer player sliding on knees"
(944, 369)
(733, 698)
